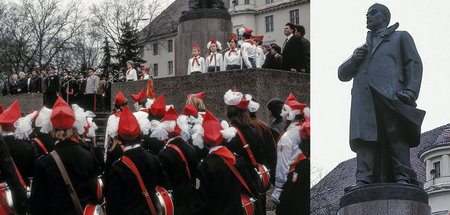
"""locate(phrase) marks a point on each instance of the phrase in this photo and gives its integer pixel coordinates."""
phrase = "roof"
(166, 22)
(325, 195)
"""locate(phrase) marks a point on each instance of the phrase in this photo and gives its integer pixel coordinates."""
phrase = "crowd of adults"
(87, 89)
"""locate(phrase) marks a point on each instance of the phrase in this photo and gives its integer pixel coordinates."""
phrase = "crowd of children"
(156, 161)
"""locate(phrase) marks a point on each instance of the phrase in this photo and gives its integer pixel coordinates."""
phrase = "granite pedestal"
(385, 199)
(200, 26)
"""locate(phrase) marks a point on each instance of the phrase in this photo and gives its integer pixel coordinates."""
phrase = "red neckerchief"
(210, 59)
(128, 72)
(144, 110)
(142, 78)
(195, 60)
(232, 50)
(250, 41)
(117, 114)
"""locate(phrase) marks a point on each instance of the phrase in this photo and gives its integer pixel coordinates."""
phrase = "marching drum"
(248, 204)
(264, 176)
(99, 190)
(6, 201)
(164, 204)
(94, 210)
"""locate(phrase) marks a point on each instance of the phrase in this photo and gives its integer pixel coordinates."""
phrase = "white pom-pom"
(183, 124)
(80, 119)
(92, 127)
(23, 126)
(252, 106)
(228, 132)
(169, 125)
(168, 107)
(232, 98)
(43, 120)
(112, 126)
(197, 140)
(159, 132)
(144, 123)
(307, 111)
(149, 103)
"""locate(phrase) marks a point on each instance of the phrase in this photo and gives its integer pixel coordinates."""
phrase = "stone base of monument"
(199, 27)
(385, 198)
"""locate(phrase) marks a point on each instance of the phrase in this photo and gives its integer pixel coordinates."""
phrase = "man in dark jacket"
(300, 32)
(22, 86)
(293, 56)
(270, 62)
(52, 88)
(35, 83)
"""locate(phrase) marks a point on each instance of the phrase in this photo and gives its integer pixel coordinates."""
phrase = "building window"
(170, 45)
(170, 63)
(236, 2)
(294, 17)
(269, 23)
(155, 70)
(437, 169)
(155, 48)
(246, 1)
(269, 1)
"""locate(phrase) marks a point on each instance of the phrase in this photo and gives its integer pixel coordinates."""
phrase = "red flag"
(150, 91)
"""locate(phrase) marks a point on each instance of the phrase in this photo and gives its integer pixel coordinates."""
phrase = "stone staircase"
(100, 120)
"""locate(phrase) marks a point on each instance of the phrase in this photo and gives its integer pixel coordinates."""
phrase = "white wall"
(163, 56)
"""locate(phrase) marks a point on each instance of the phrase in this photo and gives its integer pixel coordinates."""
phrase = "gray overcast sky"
(337, 28)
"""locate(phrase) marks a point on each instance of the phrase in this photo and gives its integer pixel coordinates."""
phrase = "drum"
(94, 210)
(264, 176)
(248, 204)
(164, 204)
(6, 200)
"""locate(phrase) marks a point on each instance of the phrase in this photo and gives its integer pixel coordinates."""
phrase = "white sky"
(337, 28)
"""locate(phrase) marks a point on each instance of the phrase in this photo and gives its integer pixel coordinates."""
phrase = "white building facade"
(264, 17)
(437, 163)
(268, 17)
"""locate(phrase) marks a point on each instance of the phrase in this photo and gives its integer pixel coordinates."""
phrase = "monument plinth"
(385, 198)
(200, 26)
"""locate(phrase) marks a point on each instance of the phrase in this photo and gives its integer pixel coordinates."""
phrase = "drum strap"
(39, 142)
(70, 189)
(237, 174)
(182, 157)
(133, 168)
(246, 146)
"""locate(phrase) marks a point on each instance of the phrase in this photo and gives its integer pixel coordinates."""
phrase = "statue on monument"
(213, 4)
(384, 122)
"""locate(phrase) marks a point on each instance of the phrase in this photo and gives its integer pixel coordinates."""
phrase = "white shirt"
(260, 57)
(287, 152)
(214, 61)
(132, 75)
(232, 58)
(287, 39)
(196, 64)
(248, 51)
(145, 77)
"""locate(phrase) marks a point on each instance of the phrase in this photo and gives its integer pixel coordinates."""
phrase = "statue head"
(378, 17)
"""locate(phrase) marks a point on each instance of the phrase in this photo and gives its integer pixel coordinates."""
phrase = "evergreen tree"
(106, 62)
(129, 47)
